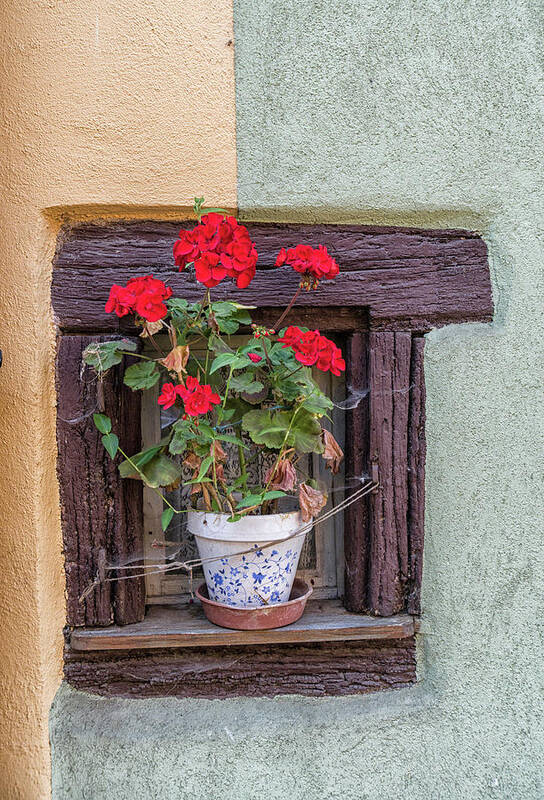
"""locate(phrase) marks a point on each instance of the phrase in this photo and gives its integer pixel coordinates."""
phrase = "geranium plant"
(257, 396)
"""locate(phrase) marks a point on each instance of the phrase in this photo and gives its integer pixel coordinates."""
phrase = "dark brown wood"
(259, 671)
(186, 626)
(389, 360)
(408, 279)
(147, 244)
(101, 515)
(416, 475)
(357, 515)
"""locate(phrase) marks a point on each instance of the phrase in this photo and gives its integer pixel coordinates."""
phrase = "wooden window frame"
(395, 285)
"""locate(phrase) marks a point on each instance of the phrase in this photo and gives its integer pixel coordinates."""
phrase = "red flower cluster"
(313, 349)
(219, 247)
(197, 398)
(313, 263)
(142, 296)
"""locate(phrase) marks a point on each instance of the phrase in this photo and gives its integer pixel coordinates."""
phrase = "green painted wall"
(421, 113)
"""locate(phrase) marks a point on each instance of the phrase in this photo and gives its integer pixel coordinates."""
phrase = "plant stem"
(243, 466)
(288, 309)
(227, 386)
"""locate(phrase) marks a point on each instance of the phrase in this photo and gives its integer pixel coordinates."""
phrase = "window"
(395, 285)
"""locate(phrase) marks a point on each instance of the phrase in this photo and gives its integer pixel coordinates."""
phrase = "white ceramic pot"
(246, 564)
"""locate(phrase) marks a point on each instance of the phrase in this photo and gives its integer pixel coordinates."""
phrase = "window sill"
(186, 626)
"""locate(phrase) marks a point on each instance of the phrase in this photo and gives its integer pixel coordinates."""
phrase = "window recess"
(395, 285)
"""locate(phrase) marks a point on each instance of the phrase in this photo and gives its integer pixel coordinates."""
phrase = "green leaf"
(245, 383)
(222, 360)
(225, 437)
(250, 500)
(177, 306)
(126, 470)
(111, 443)
(142, 376)
(102, 422)
(204, 467)
(103, 355)
(224, 414)
(180, 436)
(266, 428)
(166, 518)
(317, 403)
(158, 471)
(273, 495)
(305, 434)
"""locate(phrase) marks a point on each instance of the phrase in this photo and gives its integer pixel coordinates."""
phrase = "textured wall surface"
(428, 114)
(105, 107)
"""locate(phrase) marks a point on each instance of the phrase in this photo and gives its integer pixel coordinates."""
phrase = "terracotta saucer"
(256, 619)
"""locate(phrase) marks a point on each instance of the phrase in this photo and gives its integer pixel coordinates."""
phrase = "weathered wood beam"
(416, 475)
(407, 279)
(255, 671)
(389, 378)
(101, 515)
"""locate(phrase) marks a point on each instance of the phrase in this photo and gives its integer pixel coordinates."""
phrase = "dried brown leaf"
(176, 360)
(333, 453)
(311, 501)
(282, 476)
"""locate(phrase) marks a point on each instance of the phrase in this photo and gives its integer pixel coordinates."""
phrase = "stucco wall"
(104, 106)
(426, 113)
(430, 114)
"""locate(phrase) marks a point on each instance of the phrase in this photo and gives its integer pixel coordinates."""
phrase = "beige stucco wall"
(107, 109)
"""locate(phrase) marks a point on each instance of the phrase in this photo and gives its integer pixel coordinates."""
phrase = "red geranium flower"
(168, 396)
(225, 246)
(208, 270)
(255, 357)
(121, 300)
(143, 296)
(197, 398)
(313, 349)
(330, 357)
(313, 263)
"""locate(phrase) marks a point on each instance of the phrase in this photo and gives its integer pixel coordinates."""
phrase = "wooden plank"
(422, 295)
(101, 516)
(356, 516)
(264, 671)
(147, 244)
(315, 670)
(423, 278)
(186, 626)
(416, 475)
(388, 441)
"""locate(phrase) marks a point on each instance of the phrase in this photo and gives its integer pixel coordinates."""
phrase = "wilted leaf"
(311, 501)
(151, 328)
(176, 360)
(333, 453)
(281, 476)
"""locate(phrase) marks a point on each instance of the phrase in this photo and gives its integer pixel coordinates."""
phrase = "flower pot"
(274, 615)
(246, 563)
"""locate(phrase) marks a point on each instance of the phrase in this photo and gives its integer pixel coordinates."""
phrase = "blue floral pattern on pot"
(259, 578)
(251, 562)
